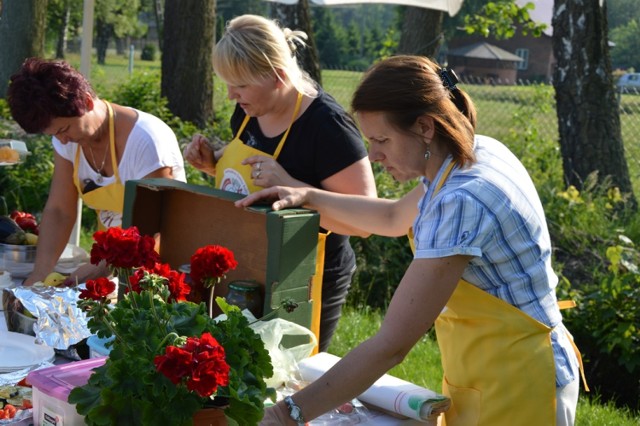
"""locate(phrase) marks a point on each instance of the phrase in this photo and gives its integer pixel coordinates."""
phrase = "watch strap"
(294, 411)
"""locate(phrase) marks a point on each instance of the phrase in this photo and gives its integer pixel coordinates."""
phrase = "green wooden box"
(274, 248)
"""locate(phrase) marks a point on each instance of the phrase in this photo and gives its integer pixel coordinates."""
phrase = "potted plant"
(169, 359)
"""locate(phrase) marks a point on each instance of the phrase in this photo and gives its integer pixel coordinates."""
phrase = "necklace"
(99, 176)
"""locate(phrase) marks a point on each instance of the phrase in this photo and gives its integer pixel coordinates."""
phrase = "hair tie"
(449, 78)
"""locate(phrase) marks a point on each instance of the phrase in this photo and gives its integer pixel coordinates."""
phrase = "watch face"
(294, 411)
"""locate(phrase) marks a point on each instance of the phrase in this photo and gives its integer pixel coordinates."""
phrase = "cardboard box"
(51, 388)
(276, 249)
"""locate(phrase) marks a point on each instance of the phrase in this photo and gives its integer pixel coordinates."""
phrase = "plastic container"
(12, 152)
(51, 388)
(97, 346)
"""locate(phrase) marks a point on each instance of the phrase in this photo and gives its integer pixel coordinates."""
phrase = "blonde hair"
(254, 48)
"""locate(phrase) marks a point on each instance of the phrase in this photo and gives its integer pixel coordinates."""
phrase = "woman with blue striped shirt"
(482, 267)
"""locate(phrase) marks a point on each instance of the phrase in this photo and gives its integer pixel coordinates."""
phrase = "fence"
(503, 108)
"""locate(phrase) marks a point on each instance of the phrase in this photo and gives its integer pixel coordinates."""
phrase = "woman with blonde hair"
(288, 131)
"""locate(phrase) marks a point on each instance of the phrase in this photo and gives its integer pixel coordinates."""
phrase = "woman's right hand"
(200, 154)
(282, 197)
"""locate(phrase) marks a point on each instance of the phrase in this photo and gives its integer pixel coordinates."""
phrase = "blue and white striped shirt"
(491, 211)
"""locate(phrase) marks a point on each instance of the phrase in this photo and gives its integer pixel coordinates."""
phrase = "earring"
(427, 154)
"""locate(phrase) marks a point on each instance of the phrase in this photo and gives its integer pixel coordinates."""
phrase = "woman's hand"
(200, 154)
(267, 172)
(88, 271)
(284, 197)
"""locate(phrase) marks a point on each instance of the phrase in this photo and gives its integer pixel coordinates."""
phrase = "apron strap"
(580, 364)
(293, 118)
(112, 142)
(444, 177)
(286, 133)
(566, 304)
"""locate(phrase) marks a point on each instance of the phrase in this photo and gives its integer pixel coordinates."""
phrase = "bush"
(148, 52)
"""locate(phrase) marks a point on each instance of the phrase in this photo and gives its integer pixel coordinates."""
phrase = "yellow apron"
(498, 362)
(231, 174)
(109, 197)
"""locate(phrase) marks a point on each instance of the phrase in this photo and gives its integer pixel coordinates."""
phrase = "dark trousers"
(335, 288)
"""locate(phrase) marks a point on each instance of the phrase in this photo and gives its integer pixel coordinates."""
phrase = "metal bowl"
(12, 253)
(16, 320)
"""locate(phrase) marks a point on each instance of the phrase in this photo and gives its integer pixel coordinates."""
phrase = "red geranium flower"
(175, 364)
(201, 362)
(123, 248)
(97, 289)
(178, 288)
(209, 264)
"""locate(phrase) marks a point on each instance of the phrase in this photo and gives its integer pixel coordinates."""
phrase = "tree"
(297, 17)
(22, 30)
(421, 31)
(187, 71)
(329, 36)
(586, 105)
(116, 18)
(625, 53)
(64, 18)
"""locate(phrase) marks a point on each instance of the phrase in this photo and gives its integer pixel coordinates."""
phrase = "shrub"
(148, 52)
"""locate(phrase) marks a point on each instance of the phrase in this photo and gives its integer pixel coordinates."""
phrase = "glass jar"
(186, 270)
(246, 295)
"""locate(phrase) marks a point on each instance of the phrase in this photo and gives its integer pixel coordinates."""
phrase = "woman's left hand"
(267, 172)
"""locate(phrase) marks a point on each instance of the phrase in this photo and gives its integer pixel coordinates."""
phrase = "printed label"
(50, 418)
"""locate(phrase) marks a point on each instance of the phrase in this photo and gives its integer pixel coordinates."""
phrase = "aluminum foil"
(60, 323)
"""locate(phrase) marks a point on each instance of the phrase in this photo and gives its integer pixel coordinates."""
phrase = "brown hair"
(406, 87)
(43, 90)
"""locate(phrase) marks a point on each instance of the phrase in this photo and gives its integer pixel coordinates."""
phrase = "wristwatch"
(294, 411)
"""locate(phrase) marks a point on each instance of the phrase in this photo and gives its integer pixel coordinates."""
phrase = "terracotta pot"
(210, 417)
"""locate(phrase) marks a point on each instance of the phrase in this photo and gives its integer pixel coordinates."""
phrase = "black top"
(321, 142)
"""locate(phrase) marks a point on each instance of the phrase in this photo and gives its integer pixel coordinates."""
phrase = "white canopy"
(450, 6)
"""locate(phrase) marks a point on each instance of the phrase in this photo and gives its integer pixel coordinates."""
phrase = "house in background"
(484, 62)
(538, 61)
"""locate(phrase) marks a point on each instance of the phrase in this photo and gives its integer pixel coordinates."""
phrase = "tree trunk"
(158, 10)
(421, 32)
(298, 17)
(586, 105)
(22, 30)
(61, 45)
(103, 33)
(187, 71)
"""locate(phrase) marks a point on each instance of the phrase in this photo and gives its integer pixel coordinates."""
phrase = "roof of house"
(484, 50)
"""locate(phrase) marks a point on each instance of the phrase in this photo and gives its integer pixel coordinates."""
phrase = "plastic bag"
(284, 360)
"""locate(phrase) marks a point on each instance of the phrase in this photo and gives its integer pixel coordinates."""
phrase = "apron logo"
(110, 219)
(233, 181)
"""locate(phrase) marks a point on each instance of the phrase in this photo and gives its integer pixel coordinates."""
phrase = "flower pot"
(210, 417)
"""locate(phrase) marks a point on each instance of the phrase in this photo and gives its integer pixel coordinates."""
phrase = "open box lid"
(276, 248)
